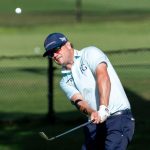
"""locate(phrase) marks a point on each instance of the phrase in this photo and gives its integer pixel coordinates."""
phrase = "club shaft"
(71, 130)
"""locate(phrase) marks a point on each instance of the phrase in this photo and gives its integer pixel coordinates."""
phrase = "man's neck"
(69, 65)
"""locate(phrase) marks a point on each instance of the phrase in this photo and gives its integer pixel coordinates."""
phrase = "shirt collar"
(77, 54)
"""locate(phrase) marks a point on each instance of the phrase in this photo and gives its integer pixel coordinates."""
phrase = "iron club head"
(43, 135)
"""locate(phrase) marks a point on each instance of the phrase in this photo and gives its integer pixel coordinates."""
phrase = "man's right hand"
(95, 117)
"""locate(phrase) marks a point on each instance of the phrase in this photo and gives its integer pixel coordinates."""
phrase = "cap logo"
(50, 43)
(63, 39)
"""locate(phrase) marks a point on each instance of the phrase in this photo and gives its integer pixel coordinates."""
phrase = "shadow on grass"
(22, 133)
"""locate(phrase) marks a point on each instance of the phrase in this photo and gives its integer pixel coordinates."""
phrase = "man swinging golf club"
(92, 85)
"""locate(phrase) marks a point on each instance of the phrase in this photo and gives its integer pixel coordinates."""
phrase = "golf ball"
(18, 10)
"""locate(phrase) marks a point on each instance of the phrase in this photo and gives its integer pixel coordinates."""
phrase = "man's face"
(63, 55)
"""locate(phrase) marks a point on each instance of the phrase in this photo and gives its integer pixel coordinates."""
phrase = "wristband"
(103, 113)
(76, 103)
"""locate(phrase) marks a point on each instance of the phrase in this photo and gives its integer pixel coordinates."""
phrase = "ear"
(68, 44)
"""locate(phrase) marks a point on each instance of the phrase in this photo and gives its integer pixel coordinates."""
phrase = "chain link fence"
(24, 82)
(23, 87)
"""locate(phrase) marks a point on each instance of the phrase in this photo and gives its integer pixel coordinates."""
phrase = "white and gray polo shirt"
(81, 79)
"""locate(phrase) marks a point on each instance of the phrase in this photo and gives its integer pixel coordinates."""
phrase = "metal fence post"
(79, 10)
(51, 115)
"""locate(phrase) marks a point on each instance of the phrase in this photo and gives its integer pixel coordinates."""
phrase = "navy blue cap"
(53, 41)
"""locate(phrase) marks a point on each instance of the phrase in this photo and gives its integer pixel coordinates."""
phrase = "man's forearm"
(103, 83)
(83, 107)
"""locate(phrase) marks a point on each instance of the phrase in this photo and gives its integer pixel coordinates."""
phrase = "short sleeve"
(68, 87)
(94, 56)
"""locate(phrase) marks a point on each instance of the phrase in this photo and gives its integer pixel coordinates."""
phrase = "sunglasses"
(51, 53)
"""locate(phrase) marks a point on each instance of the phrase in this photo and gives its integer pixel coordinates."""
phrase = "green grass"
(29, 78)
(48, 12)
(105, 35)
(52, 5)
(109, 25)
(22, 91)
(28, 102)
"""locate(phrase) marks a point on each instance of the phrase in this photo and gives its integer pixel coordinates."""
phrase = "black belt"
(121, 112)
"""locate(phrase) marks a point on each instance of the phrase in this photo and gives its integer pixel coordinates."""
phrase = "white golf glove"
(103, 112)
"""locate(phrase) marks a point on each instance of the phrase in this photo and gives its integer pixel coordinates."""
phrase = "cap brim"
(47, 52)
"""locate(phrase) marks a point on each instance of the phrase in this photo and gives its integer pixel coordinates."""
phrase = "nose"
(55, 54)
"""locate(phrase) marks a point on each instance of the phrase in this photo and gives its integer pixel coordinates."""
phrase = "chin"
(58, 63)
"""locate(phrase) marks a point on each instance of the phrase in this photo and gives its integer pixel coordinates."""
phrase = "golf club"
(44, 136)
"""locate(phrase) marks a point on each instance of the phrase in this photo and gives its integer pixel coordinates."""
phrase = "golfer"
(92, 85)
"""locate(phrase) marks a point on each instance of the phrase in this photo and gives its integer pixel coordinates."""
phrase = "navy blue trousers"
(114, 134)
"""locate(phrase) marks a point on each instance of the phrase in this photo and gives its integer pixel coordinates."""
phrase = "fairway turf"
(109, 25)
(24, 87)
(106, 35)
